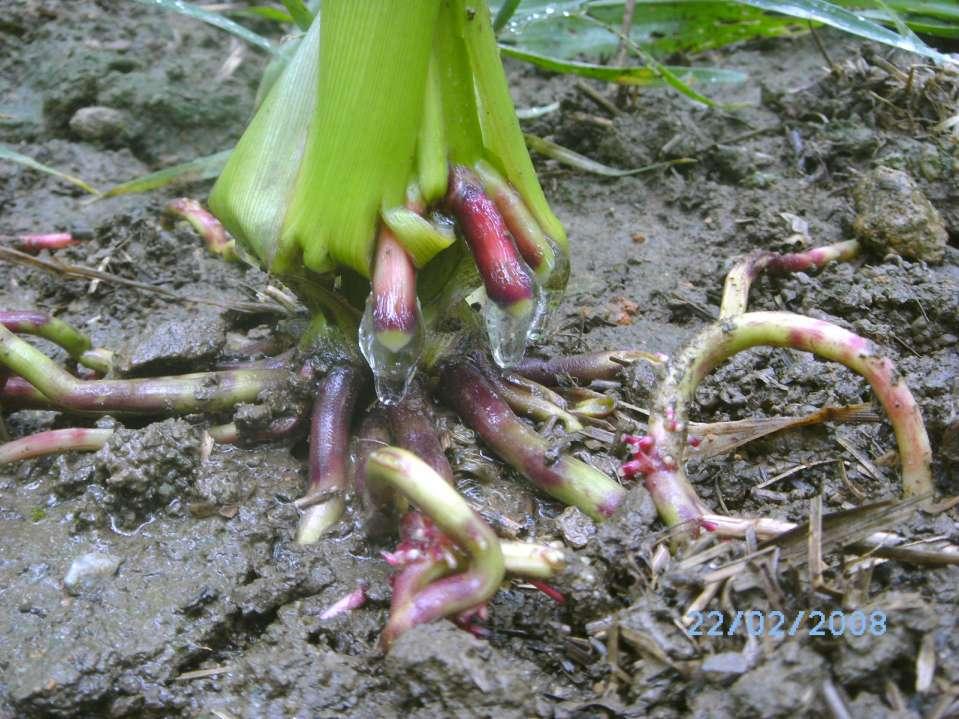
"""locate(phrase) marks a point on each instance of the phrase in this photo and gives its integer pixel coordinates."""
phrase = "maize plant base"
(158, 575)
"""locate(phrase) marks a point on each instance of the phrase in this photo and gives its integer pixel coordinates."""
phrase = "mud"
(213, 609)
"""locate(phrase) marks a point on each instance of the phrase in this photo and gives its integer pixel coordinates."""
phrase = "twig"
(791, 471)
(629, 9)
(201, 673)
(60, 268)
(822, 49)
(815, 544)
(597, 98)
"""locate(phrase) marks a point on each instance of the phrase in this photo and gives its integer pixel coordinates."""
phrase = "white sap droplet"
(508, 334)
(392, 370)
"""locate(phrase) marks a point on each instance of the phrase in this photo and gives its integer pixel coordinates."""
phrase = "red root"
(506, 276)
(213, 233)
(48, 241)
(549, 590)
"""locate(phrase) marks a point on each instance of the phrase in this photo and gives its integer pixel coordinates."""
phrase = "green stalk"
(431, 145)
(460, 112)
(361, 149)
(50, 328)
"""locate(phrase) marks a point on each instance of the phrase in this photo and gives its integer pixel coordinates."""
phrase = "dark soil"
(190, 563)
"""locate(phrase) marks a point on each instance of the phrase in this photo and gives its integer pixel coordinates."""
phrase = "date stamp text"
(814, 623)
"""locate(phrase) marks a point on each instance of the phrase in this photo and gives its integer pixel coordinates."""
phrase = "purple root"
(337, 394)
(411, 422)
(506, 276)
(468, 391)
(280, 428)
(583, 368)
(451, 595)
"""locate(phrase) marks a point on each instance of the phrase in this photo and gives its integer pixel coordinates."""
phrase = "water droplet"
(553, 291)
(393, 367)
(508, 333)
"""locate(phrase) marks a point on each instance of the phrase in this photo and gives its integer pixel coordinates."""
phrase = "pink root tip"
(50, 241)
(353, 600)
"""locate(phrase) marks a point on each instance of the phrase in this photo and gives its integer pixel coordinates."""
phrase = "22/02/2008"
(816, 623)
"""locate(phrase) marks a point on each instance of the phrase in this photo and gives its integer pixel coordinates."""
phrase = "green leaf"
(253, 192)
(929, 18)
(581, 162)
(930, 8)
(275, 67)
(211, 18)
(308, 179)
(660, 27)
(201, 168)
(502, 136)
(13, 156)
(417, 235)
(568, 29)
(361, 147)
(848, 21)
(265, 12)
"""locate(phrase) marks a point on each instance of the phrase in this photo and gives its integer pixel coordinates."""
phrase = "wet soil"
(186, 595)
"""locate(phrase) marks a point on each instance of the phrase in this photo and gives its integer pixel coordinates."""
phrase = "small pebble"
(100, 123)
(726, 663)
(576, 527)
(894, 216)
(89, 570)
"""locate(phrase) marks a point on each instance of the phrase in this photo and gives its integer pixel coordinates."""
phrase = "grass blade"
(264, 12)
(211, 18)
(505, 12)
(13, 156)
(624, 75)
(581, 162)
(202, 168)
(300, 13)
